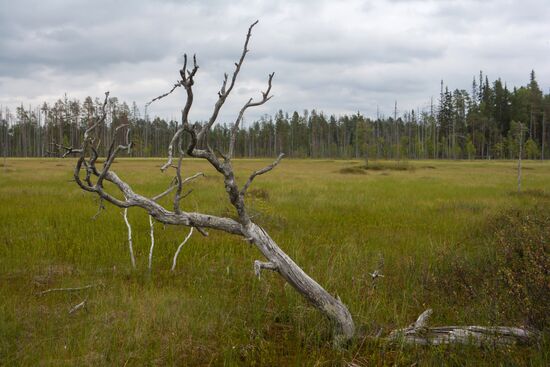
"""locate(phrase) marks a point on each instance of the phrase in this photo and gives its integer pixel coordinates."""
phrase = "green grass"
(213, 310)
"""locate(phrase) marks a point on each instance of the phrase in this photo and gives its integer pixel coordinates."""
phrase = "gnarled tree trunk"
(333, 308)
(199, 147)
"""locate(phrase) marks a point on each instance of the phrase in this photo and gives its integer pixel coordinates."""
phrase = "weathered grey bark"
(174, 261)
(419, 333)
(152, 234)
(303, 283)
(130, 247)
(278, 261)
(77, 307)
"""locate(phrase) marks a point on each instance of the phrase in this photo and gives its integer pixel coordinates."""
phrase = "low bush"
(389, 166)
(507, 275)
(523, 262)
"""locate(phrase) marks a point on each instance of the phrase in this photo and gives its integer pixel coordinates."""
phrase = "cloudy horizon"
(336, 57)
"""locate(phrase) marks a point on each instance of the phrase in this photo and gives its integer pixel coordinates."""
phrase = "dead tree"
(419, 333)
(92, 177)
(520, 139)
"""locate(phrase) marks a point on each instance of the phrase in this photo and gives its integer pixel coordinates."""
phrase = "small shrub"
(353, 171)
(523, 240)
(394, 166)
(508, 276)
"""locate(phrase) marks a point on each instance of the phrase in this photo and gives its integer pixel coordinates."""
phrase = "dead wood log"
(420, 334)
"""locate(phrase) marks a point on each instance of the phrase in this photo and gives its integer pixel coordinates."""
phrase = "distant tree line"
(482, 123)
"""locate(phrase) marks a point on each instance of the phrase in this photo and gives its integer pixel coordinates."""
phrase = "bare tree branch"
(176, 85)
(260, 172)
(422, 320)
(99, 121)
(180, 247)
(177, 197)
(171, 188)
(68, 150)
(77, 307)
(152, 242)
(73, 289)
(226, 90)
(187, 81)
(259, 265)
(111, 155)
(250, 103)
(195, 176)
(132, 258)
(202, 231)
(99, 209)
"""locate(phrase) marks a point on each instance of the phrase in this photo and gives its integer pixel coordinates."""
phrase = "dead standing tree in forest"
(86, 171)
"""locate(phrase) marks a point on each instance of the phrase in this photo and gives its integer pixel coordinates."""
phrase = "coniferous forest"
(482, 123)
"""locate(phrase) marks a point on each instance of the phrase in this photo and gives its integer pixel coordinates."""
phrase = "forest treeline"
(484, 122)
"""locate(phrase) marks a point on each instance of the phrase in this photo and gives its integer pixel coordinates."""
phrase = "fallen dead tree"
(420, 334)
(93, 178)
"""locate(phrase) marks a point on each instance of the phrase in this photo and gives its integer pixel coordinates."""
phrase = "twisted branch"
(225, 90)
(332, 307)
(265, 97)
(131, 248)
(179, 249)
(152, 242)
(187, 81)
(260, 172)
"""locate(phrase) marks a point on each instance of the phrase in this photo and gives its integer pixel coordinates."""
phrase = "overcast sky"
(334, 56)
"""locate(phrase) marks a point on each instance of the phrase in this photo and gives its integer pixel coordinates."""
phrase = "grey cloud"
(334, 56)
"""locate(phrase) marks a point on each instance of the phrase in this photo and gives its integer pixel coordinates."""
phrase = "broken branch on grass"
(419, 333)
(77, 307)
(376, 274)
(422, 320)
(73, 289)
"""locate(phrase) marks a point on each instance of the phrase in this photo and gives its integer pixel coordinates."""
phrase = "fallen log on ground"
(419, 333)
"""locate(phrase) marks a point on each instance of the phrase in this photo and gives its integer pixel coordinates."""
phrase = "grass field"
(417, 225)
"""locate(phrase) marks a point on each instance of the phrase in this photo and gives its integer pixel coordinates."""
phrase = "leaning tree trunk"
(199, 147)
(333, 308)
